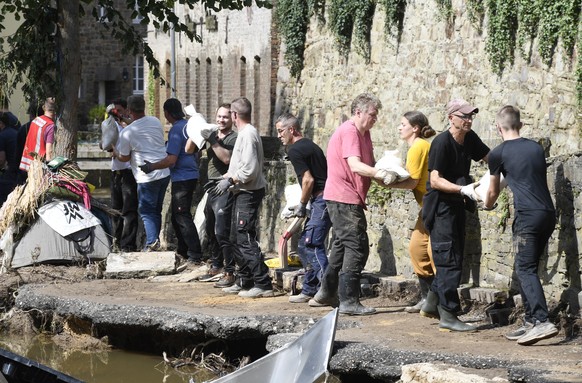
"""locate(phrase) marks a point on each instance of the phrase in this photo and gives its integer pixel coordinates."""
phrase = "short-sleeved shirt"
(342, 184)
(306, 155)
(217, 168)
(186, 166)
(115, 163)
(417, 166)
(453, 160)
(523, 164)
(8, 138)
(144, 140)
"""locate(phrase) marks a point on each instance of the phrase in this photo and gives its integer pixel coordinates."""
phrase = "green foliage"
(151, 100)
(352, 19)
(476, 13)
(341, 24)
(503, 208)
(528, 18)
(445, 8)
(394, 22)
(501, 41)
(292, 19)
(549, 26)
(97, 114)
(569, 25)
(378, 195)
(363, 27)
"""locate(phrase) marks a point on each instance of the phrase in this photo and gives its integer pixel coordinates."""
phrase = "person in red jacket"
(41, 136)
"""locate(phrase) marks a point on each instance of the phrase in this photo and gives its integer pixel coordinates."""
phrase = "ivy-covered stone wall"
(432, 57)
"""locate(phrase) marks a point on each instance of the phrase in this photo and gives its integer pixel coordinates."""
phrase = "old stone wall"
(434, 63)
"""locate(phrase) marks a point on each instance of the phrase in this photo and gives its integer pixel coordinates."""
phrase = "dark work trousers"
(7, 185)
(447, 239)
(531, 231)
(124, 198)
(246, 250)
(186, 233)
(350, 247)
(218, 212)
(311, 247)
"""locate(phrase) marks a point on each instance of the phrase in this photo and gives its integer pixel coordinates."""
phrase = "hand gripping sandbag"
(109, 133)
(393, 164)
(197, 123)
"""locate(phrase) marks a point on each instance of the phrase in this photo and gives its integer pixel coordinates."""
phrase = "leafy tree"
(44, 52)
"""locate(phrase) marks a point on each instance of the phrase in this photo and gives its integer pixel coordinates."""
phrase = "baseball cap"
(462, 106)
(174, 107)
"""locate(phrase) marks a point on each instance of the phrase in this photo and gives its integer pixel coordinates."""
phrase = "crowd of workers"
(334, 188)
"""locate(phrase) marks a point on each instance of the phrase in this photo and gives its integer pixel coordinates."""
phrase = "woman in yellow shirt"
(414, 129)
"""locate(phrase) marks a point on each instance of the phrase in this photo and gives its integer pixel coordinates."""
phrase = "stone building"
(107, 72)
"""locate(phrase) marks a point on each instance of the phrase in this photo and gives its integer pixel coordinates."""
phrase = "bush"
(97, 114)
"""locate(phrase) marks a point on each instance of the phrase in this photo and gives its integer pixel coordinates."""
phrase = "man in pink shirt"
(350, 164)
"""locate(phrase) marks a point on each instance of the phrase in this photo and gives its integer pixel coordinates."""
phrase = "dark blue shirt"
(186, 167)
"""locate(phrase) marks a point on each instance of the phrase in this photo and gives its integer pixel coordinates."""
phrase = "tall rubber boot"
(450, 322)
(327, 293)
(430, 307)
(424, 283)
(349, 295)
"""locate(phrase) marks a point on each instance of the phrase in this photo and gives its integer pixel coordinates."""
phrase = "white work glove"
(207, 131)
(386, 176)
(469, 191)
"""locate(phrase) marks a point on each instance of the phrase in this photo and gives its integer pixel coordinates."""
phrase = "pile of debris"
(52, 218)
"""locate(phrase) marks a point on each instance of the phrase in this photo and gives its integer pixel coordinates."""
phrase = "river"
(110, 366)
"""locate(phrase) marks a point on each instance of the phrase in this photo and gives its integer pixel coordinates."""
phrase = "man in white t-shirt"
(141, 141)
(123, 191)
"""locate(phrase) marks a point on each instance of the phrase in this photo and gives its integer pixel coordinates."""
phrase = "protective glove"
(386, 176)
(222, 186)
(299, 210)
(469, 191)
(207, 131)
(147, 167)
(209, 185)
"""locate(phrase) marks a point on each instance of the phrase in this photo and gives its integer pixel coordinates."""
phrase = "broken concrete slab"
(140, 264)
(443, 373)
(482, 294)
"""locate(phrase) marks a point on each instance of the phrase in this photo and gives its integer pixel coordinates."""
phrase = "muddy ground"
(365, 344)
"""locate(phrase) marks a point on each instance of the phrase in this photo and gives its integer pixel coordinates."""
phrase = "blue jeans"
(350, 247)
(218, 211)
(531, 232)
(447, 239)
(311, 246)
(150, 197)
(184, 228)
(252, 268)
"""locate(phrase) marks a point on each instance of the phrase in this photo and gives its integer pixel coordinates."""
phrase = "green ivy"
(394, 21)
(445, 8)
(341, 24)
(569, 26)
(292, 19)
(528, 18)
(476, 13)
(503, 208)
(549, 26)
(378, 195)
(151, 100)
(501, 41)
(363, 28)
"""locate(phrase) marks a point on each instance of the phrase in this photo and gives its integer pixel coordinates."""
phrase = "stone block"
(392, 284)
(284, 277)
(482, 294)
(442, 373)
(140, 265)
(517, 301)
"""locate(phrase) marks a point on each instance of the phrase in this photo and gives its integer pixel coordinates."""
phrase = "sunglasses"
(465, 116)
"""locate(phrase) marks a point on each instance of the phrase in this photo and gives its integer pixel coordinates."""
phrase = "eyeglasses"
(465, 116)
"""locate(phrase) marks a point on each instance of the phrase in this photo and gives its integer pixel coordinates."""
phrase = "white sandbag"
(109, 133)
(200, 220)
(67, 217)
(292, 198)
(392, 162)
(197, 123)
(481, 190)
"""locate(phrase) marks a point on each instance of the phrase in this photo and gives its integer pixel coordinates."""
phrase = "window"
(138, 75)
(103, 15)
(139, 17)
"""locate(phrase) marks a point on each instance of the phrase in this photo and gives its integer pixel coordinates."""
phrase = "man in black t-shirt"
(310, 166)
(449, 189)
(523, 164)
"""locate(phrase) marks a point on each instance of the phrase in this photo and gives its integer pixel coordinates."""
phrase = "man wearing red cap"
(449, 192)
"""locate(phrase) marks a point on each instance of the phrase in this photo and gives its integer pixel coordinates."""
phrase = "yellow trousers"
(420, 251)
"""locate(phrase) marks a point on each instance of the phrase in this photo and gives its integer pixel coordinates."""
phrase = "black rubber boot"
(349, 296)
(450, 322)
(424, 288)
(429, 309)
(327, 293)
